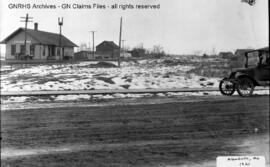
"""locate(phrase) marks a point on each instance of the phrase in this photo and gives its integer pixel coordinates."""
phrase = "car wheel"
(245, 87)
(226, 87)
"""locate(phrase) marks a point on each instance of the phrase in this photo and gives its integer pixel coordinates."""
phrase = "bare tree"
(197, 52)
(82, 46)
(157, 51)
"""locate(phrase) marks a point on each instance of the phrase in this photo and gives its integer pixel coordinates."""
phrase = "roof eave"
(11, 35)
(3, 42)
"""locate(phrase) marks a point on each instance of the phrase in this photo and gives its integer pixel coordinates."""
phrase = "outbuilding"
(226, 55)
(107, 50)
(84, 55)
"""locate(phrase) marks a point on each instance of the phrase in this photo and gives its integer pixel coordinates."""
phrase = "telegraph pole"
(120, 36)
(93, 42)
(26, 20)
(60, 23)
(123, 46)
(89, 49)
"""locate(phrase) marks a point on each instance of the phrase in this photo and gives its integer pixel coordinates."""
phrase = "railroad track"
(109, 91)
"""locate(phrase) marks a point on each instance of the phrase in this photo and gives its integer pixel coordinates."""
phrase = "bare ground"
(162, 134)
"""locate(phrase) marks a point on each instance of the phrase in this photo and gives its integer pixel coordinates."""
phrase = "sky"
(179, 26)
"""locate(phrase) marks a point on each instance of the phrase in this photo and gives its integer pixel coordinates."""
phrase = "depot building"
(40, 45)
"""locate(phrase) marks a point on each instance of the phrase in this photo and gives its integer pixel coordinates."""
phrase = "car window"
(253, 59)
(265, 59)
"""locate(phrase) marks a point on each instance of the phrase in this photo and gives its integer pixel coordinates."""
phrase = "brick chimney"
(36, 26)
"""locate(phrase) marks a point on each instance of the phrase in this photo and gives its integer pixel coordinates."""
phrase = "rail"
(109, 91)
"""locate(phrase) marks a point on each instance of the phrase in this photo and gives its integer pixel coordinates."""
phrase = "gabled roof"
(109, 44)
(43, 37)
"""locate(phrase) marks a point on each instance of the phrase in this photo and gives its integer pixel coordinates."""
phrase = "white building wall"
(39, 55)
(18, 40)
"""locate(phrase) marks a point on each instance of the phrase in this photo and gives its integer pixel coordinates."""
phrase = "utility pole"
(89, 49)
(93, 42)
(120, 36)
(60, 23)
(26, 20)
(123, 46)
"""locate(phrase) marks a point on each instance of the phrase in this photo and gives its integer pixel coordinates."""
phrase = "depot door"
(51, 51)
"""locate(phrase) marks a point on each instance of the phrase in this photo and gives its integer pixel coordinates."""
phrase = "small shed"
(226, 55)
(107, 50)
(84, 55)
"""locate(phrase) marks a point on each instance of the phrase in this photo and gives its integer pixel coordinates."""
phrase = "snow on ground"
(144, 74)
(89, 97)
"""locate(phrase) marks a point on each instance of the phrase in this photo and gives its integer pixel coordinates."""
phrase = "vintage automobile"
(255, 73)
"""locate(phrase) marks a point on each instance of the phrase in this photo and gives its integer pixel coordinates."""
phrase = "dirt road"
(189, 133)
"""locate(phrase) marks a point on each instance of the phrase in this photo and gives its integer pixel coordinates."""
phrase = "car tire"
(226, 87)
(245, 87)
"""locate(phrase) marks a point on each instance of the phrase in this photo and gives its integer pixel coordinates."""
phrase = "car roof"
(266, 49)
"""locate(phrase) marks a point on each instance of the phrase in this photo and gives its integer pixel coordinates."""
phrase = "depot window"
(32, 49)
(44, 51)
(13, 49)
(58, 51)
